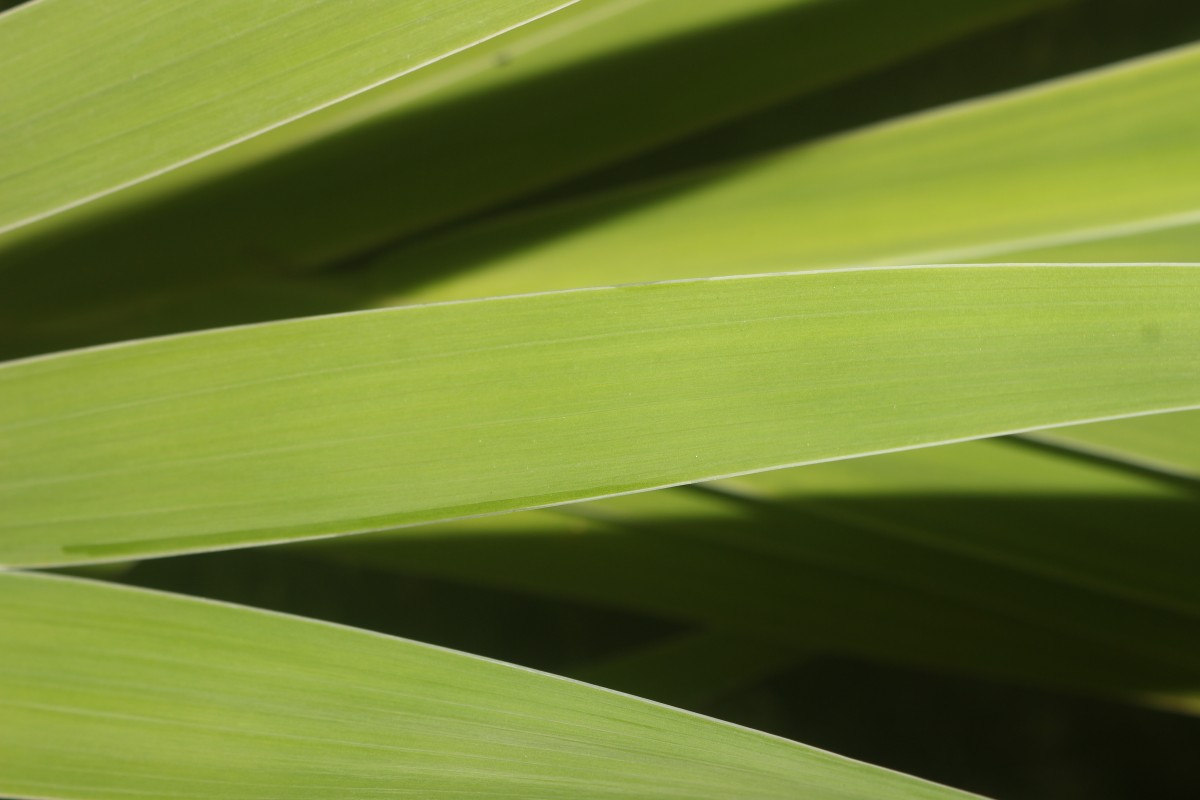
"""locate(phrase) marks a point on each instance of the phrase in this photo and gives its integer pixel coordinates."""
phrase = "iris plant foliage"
(699, 351)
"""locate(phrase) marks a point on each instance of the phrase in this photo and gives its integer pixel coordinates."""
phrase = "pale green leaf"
(367, 421)
(110, 692)
(1098, 167)
(99, 96)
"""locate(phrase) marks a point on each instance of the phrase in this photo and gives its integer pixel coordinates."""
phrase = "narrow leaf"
(986, 558)
(1090, 159)
(477, 129)
(109, 692)
(1169, 444)
(367, 421)
(100, 96)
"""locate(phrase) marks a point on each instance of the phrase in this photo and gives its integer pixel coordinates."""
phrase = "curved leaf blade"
(151, 88)
(987, 558)
(108, 691)
(367, 421)
(480, 128)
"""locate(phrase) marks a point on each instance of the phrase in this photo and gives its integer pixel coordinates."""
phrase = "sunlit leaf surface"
(110, 692)
(367, 421)
(160, 85)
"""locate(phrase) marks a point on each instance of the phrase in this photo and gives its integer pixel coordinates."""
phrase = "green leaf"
(367, 421)
(103, 96)
(1057, 40)
(110, 691)
(1091, 159)
(1096, 168)
(1168, 445)
(477, 129)
(987, 558)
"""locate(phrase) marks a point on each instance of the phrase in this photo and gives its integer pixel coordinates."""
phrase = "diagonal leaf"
(497, 121)
(1055, 40)
(367, 421)
(160, 87)
(1092, 158)
(109, 692)
(1098, 167)
(987, 558)
(1169, 445)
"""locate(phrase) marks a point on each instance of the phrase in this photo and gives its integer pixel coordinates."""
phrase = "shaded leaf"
(983, 558)
(477, 129)
(1082, 161)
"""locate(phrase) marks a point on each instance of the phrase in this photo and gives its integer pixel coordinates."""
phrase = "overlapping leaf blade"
(500, 120)
(109, 691)
(985, 558)
(1095, 168)
(1092, 159)
(359, 422)
(339, 425)
(157, 87)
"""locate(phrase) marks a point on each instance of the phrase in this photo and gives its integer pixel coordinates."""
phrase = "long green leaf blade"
(109, 692)
(1169, 444)
(1098, 167)
(1092, 158)
(484, 126)
(988, 558)
(100, 96)
(368, 421)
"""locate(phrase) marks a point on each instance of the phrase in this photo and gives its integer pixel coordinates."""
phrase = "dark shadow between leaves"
(1087, 593)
